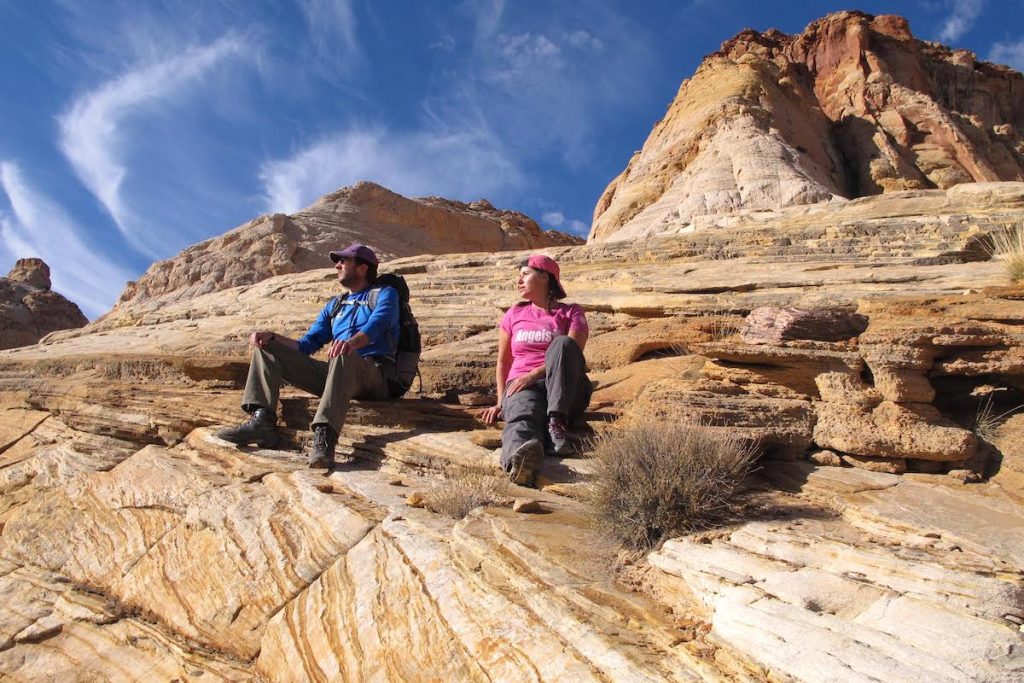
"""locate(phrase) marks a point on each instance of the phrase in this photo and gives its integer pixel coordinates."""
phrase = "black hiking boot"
(525, 461)
(260, 428)
(321, 454)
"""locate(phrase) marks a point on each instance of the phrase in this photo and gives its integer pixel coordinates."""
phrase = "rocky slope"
(366, 212)
(135, 545)
(853, 106)
(29, 309)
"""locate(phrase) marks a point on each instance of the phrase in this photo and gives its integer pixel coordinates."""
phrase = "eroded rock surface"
(133, 543)
(853, 106)
(29, 309)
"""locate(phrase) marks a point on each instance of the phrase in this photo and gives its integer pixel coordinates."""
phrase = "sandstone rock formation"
(853, 106)
(770, 325)
(29, 309)
(134, 544)
(366, 212)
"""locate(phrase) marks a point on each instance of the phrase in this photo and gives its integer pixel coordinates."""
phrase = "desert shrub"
(661, 478)
(1008, 246)
(464, 491)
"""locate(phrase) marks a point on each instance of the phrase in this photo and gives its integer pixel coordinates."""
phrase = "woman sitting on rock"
(541, 373)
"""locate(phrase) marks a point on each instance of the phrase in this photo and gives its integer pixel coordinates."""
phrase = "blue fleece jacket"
(380, 324)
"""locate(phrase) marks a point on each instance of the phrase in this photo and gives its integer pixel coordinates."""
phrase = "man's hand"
(261, 339)
(341, 348)
(347, 347)
(491, 415)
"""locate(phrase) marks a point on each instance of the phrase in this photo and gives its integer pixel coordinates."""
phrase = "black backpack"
(407, 355)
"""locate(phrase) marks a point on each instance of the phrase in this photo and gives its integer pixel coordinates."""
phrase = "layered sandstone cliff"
(29, 309)
(366, 212)
(853, 106)
(135, 545)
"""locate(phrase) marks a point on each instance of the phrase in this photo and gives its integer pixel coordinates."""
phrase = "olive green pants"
(336, 382)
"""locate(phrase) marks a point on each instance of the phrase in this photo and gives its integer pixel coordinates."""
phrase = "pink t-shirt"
(531, 330)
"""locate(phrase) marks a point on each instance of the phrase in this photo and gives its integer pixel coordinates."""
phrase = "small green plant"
(665, 476)
(464, 491)
(1008, 246)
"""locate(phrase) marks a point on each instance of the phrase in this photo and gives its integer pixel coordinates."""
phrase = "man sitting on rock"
(361, 360)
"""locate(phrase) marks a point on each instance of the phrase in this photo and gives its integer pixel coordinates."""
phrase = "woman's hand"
(520, 383)
(491, 415)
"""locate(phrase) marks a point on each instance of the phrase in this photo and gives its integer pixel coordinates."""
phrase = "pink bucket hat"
(548, 265)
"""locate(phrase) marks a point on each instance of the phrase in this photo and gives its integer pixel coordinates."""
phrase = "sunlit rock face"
(391, 224)
(29, 309)
(134, 545)
(853, 106)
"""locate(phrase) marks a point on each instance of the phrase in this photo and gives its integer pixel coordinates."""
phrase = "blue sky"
(130, 129)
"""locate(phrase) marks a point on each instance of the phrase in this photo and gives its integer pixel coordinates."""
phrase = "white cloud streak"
(445, 43)
(548, 82)
(556, 219)
(94, 142)
(467, 165)
(41, 228)
(1011, 54)
(553, 218)
(487, 16)
(332, 32)
(965, 12)
(578, 228)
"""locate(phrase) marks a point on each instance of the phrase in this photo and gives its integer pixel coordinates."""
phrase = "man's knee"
(265, 353)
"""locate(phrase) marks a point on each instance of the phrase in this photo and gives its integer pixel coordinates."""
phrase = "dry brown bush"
(663, 477)
(464, 491)
(1008, 247)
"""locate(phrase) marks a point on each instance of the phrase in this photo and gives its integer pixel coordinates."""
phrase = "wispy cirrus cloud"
(548, 79)
(92, 135)
(1011, 54)
(965, 13)
(331, 25)
(40, 227)
(467, 163)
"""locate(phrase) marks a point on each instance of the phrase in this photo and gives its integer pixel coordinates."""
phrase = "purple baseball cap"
(359, 251)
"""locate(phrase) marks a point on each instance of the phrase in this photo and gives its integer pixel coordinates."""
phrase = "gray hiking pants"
(565, 389)
(336, 382)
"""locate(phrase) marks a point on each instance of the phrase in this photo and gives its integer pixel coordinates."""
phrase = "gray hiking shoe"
(260, 428)
(321, 454)
(557, 432)
(525, 461)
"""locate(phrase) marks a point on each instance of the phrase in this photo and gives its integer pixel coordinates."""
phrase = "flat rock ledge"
(135, 545)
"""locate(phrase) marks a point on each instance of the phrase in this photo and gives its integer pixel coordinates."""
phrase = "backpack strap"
(336, 304)
(340, 300)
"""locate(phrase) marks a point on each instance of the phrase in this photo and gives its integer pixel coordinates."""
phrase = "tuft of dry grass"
(463, 491)
(719, 324)
(987, 421)
(663, 477)
(1008, 246)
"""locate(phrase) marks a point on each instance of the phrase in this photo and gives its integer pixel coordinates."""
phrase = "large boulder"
(29, 309)
(32, 272)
